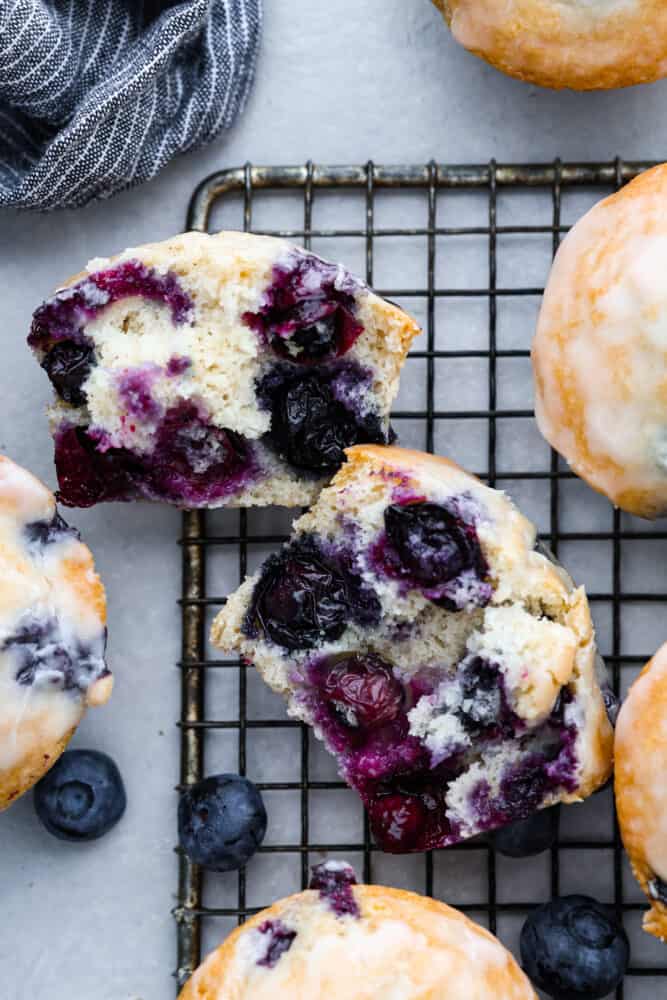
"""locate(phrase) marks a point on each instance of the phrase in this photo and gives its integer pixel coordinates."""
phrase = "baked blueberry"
(529, 836)
(334, 880)
(432, 543)
(300, 600)
(398, 822)
(310, 427)
(68, 366)
(82, 797)
(221, 822)
(573, 947)
(363, 690)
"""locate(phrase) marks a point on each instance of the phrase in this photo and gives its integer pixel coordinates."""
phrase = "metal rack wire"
(198, 540)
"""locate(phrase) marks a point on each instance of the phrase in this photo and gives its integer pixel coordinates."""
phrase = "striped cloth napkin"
(98, 95)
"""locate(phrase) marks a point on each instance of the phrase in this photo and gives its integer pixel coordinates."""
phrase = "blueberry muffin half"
(219, 370)
(640, 766)
(449, 665)
(358, 942)
(52, 632)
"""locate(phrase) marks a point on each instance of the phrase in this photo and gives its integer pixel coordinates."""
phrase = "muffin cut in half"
(207, 371)
(448, 664)
(640, 766)
(345, 941)
(52, 632)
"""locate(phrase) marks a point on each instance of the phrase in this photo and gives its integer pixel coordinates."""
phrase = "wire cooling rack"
(466, 249)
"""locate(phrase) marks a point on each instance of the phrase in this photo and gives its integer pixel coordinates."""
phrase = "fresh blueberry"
(221, 822)
(41, 533)
(434, 545)
(398, 822)
(574, 949)
(485, 711)
(362, 689)
(300, 600)
(308, 312)
(68, 366)
(529, 836)
(82, 797)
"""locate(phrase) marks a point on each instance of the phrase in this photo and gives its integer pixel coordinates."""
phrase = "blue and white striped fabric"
(98, 95)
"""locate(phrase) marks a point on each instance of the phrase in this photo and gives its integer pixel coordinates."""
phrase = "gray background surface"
(337, 83)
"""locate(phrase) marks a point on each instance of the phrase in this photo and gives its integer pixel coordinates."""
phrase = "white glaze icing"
(39, 584)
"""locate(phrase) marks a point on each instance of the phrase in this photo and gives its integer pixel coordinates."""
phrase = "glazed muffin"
(52, 632)
(449, 665)
(600, 353)
(358, 942)
(207, 371)
(640, 752)
(579, 44)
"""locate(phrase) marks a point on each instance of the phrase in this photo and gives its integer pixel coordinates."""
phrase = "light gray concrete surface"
(336, 83)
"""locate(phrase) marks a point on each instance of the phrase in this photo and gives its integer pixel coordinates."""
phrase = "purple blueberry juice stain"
(279, 939)
(360, 707)
(433, 548)
(46, 658)
(178, 364)
(135, 390)
(40, 534)
(64, 316)
(193, 463)
(68, 366)
(334, 881)
(308, 312)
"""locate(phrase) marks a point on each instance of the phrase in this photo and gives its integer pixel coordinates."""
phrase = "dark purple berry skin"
(317, 413)
(82, 797)
(68, 365)
(308, 311)
(221, 822)
(41, 533)
(530, 836)
(398, 822)
(361, 689)
(63, 317)
(300, 600)
(334, 880)
(433, 545)
(573, 948)
(279, 940)
(310, 427)
(305, 597)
